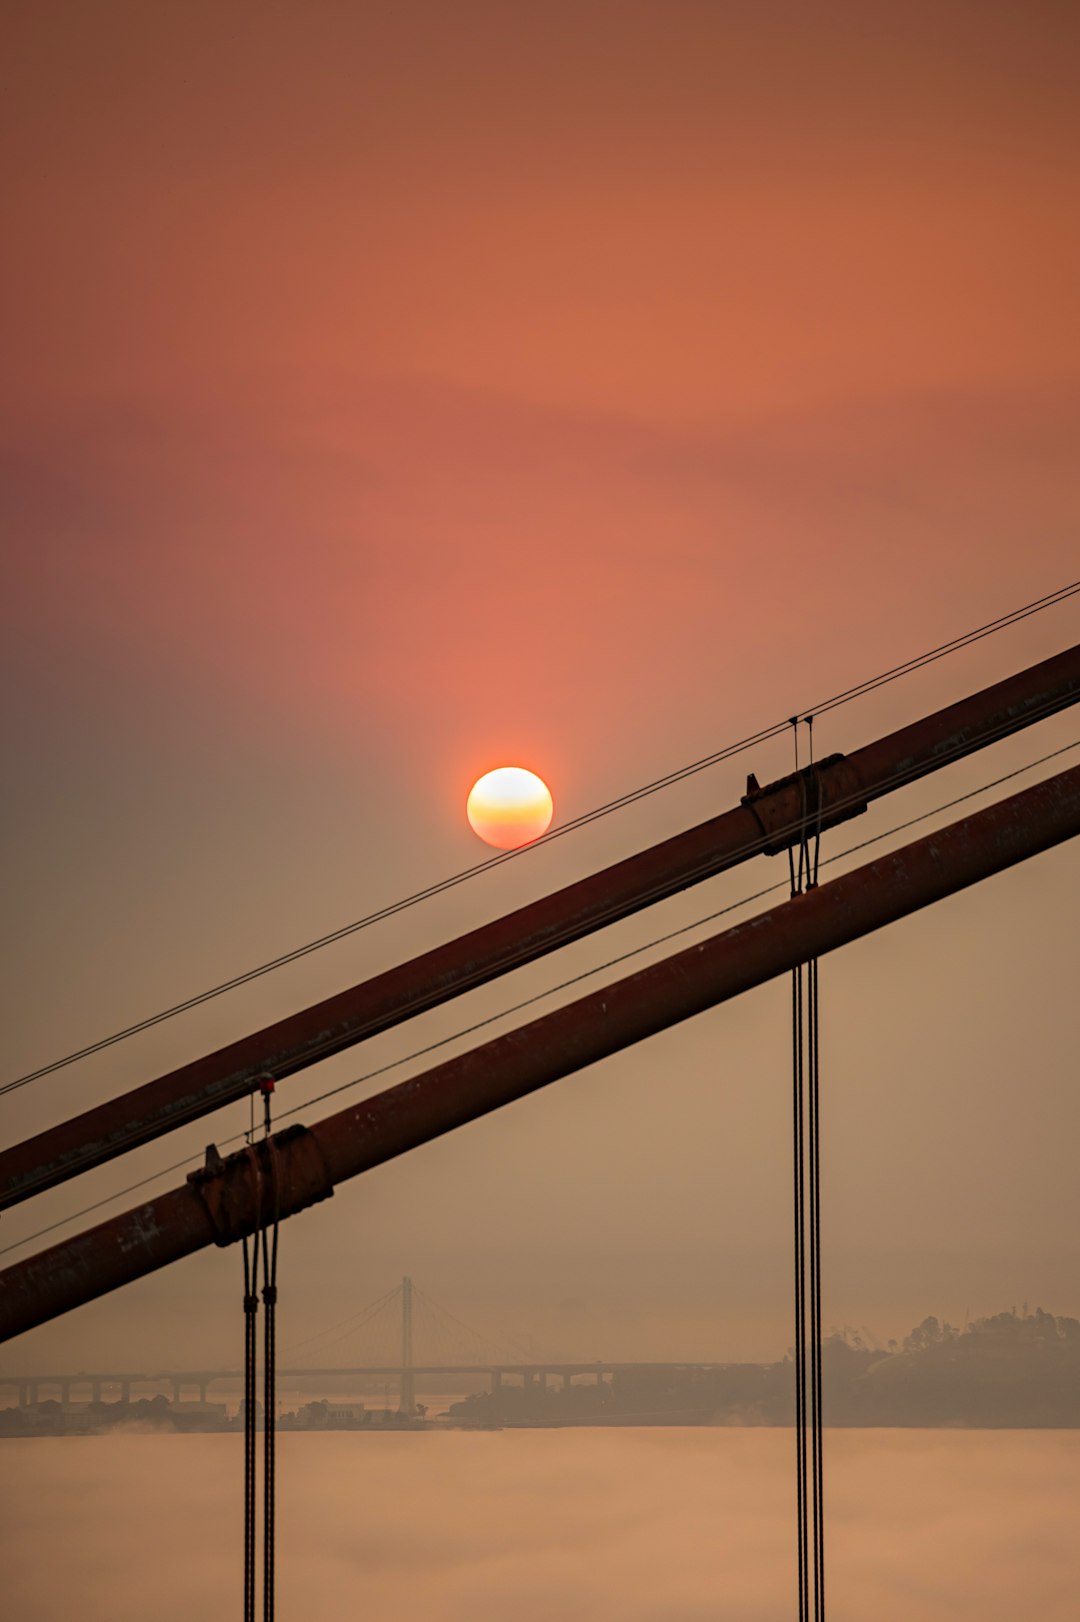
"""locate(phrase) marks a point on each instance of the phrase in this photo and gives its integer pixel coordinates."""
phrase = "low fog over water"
(649, 1526)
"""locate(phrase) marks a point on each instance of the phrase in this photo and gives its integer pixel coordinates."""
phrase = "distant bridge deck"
(28, 1385)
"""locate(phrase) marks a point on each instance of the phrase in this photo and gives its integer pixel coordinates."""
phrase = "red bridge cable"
(354, 1322)
(900, 776)
(931, 656)
(528, 1002)
(215, 1207)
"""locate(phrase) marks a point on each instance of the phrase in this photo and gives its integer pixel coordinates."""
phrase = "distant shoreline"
(615, 1422)
(1013, 1371)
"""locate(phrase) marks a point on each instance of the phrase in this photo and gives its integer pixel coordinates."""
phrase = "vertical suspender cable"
(800, 1298)
(270, 1255)
(251, 1308)
(814, 1200)
(799, 1179)
(264, 1240)
(806, 1122)
(816, 1322)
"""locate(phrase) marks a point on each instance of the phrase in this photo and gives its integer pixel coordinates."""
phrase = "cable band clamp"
(232, 1189)
(805, 802)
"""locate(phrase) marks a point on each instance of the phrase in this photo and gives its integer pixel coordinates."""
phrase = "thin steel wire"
(350, 1325)
(919, 662)
(846, 802)
(552, 991)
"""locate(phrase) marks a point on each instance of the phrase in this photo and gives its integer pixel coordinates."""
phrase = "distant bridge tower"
(408, 1382)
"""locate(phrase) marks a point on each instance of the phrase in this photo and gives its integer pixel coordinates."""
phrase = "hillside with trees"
(1011, 1370)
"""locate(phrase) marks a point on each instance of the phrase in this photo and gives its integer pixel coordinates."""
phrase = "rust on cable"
(806, 802)
(232, 1189)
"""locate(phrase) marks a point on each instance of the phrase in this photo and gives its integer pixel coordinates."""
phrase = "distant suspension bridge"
(382, 1338)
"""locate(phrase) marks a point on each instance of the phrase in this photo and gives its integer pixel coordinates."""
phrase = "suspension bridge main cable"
(351, 1324)
(658, 940)
(851, 800)
(354, 1328)
(872, 684)
(550, 991)
(437, 1308)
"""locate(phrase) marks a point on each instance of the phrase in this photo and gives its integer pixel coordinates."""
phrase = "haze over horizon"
(394, 392)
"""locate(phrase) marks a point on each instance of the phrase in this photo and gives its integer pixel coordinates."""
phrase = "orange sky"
(359, 348)
(395, 390)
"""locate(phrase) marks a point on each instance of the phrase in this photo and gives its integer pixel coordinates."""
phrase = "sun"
(509, 807)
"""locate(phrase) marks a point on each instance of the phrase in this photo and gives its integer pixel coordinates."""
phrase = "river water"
(656, 1525)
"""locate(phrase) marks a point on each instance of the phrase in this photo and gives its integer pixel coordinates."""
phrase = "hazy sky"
(399, 390)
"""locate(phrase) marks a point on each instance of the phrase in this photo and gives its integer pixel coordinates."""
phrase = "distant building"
(323, 1414)
(345, 1413)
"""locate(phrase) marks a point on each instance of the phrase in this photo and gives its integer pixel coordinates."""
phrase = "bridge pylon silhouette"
(407, 1405)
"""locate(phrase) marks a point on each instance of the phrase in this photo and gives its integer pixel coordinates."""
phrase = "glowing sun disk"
(509, 807)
